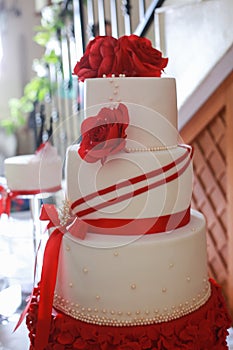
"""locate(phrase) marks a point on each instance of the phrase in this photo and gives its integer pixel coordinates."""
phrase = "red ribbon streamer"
(48, 281)
(49, 268)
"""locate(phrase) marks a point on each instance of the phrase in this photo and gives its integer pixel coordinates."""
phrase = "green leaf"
(51, 58)
(42, 38)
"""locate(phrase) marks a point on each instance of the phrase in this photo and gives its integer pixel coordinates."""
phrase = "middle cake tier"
(136, 185)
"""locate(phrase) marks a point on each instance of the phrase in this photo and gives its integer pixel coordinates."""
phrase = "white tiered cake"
(131, 261)
(34, 173)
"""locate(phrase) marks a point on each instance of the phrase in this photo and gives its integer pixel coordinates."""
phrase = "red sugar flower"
(131, 55)
(104, 134)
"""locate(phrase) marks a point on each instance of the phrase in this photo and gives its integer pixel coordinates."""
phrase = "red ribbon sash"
(128, 227)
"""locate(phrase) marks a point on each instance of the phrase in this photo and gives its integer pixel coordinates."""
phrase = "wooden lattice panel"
(209, 192)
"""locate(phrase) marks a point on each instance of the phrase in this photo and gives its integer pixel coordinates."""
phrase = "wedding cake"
(125, 266)
(34, 173)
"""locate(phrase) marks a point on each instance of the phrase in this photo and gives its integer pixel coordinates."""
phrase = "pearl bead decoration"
(113, 76)
(118, 318)
(149, 149)
(64, 213)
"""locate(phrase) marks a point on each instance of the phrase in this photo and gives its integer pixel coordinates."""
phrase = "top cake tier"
(151, 103)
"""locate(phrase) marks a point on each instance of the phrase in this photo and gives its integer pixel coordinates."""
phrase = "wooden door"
(210, 132)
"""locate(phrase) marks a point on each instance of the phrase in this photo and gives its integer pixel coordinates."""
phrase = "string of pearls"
(149, 149)
(138, 317)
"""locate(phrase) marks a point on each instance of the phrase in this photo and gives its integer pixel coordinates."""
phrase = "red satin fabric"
(48, 281)
(130, 227)
(7, 195)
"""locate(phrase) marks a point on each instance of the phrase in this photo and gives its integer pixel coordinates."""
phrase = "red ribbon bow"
(50, 265)
(5, 200)
(74, 226)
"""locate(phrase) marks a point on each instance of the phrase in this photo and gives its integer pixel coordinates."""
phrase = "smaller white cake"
(34, 173)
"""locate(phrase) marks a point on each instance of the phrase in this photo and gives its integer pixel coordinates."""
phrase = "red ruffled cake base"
(204, 329)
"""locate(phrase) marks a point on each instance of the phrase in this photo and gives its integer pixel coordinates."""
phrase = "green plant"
(39, 87)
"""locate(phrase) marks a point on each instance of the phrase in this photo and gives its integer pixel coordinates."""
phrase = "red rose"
(98, 58)
(136, 57)
(131, 55)
(104, 134)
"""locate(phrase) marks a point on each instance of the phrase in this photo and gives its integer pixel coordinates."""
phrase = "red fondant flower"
(98, 58)
(104, 134)
(131, 55)
(136, 57)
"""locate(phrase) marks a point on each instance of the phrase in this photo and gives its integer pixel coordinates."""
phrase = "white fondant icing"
(151, 104)
(34, 171)
(83, 178)
(140, 281)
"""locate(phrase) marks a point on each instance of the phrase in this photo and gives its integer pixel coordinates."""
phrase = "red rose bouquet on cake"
(131, 56)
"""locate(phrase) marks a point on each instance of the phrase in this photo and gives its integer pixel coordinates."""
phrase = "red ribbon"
(34, 192)
(6, 196)
(142, 226)
(5, 200)
(49, 268)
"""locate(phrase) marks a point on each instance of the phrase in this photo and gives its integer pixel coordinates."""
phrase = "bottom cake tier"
(203, 329)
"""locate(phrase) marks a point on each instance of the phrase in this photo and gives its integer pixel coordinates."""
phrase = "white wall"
(18, 52)
(195, 35)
